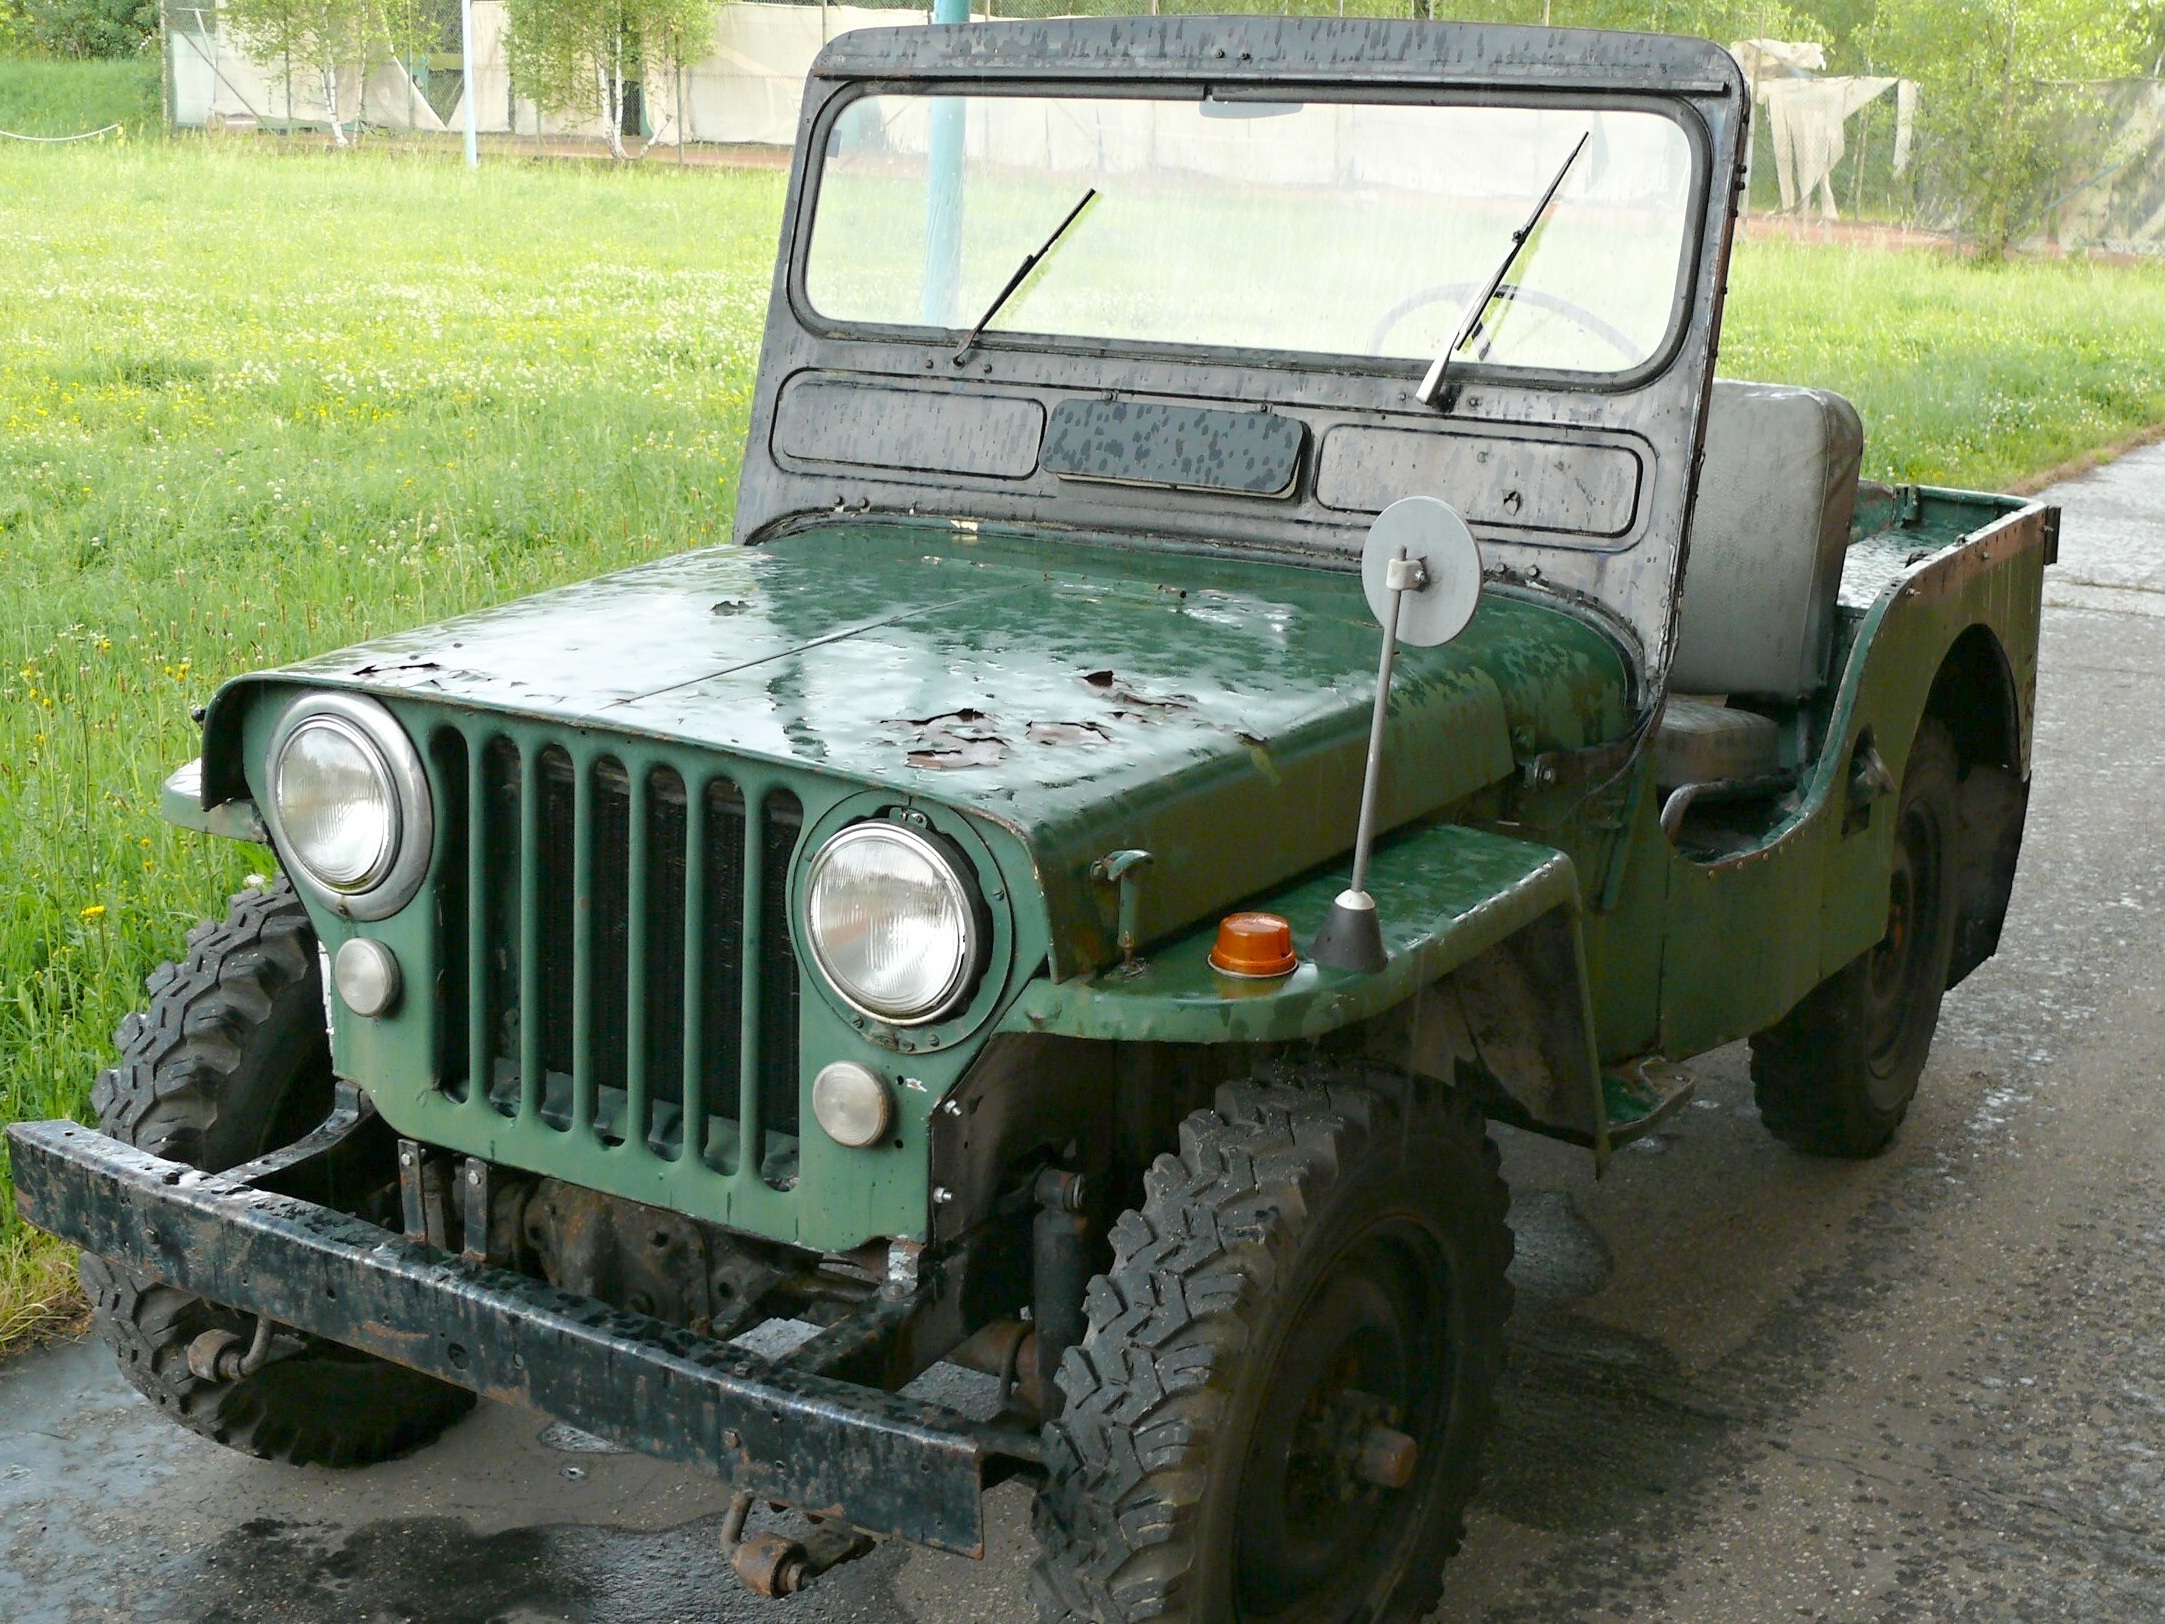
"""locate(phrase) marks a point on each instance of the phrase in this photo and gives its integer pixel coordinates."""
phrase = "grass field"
(68, 98)
(256, 404)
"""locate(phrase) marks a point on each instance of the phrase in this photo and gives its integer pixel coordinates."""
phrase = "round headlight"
(337, 804)
(891, 924)
(347, 800)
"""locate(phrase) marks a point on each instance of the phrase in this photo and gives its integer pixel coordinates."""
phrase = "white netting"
(1828, 144)
(747, 89)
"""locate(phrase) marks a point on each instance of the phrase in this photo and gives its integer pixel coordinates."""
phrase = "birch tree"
(578, 56)
(322, 36)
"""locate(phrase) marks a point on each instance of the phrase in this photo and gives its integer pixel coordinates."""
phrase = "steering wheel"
(1459, 292)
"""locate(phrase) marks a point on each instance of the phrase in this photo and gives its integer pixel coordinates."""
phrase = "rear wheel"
(1835, 1076)
(232, 1059)
(1277, 1412)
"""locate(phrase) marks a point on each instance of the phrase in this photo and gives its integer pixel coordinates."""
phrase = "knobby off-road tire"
(1324, 1255)
(1835, 1076)
(231, 1060)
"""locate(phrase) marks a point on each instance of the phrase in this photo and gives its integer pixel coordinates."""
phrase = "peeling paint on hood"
(1212, 710)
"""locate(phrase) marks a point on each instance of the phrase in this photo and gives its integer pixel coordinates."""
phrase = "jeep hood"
(1086, 697)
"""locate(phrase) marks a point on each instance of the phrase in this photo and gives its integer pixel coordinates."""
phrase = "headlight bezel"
(953, 865)
(368, 723)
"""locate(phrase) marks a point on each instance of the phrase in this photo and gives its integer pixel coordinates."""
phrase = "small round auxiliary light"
(1256, 945)
(366, 975)
(851, 1102)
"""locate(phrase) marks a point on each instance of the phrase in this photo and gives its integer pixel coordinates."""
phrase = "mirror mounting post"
(1418, 548)
(1352, 936)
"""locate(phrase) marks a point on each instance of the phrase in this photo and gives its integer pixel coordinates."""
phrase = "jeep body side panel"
(1739, 949)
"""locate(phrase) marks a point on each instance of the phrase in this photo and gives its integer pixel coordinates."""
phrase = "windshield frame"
(1678, 109)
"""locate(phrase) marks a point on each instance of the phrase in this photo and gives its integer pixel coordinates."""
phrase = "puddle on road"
(438, 1570)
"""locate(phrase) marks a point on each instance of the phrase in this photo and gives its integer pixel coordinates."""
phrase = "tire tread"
(1168, 1326)
(186, 1089)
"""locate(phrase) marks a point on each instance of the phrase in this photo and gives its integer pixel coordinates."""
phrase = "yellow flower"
(95, 911)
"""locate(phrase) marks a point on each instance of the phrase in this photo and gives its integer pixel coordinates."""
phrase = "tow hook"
(773, 1565)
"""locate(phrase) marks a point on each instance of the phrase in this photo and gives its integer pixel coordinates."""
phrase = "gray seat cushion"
(1775, 496)
(1703, 741)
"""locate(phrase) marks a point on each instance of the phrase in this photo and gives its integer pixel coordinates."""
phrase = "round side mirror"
(1430, 533)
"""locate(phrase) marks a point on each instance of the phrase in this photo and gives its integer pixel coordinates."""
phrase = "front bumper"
(886, 1464)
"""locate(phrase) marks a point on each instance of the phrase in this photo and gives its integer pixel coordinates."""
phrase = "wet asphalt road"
(1746, 1385)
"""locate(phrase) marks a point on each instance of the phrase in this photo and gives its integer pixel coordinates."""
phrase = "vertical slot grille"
(609, 996)
(453, 981)
(721, 965)
(661, 1039)
(595, 943)
(499, 830)
(555, 909)
(778, 966)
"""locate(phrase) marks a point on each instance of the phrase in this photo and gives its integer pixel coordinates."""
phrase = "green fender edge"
(1445, 894)
(180, 803)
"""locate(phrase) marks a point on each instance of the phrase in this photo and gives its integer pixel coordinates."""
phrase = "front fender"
(1487, 968)
(1445, 894)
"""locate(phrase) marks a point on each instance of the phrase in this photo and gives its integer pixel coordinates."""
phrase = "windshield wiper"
(1022, 271)
(1470, 324)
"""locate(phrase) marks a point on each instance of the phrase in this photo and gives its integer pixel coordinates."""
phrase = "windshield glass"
(1331, 229)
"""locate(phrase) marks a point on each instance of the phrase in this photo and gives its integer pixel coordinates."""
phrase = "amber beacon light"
(1258, 945)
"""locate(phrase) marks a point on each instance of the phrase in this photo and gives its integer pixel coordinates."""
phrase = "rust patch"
(1131, 705)
(1066, 733)
(963, 738)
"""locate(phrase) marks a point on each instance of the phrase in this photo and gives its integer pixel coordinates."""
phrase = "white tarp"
(194, 76)
(1778, 58)
(751, 86)
(213, 82)
(391, 99)
(491, 82)
(1807, 118)
(1807, 115)
(260, 90)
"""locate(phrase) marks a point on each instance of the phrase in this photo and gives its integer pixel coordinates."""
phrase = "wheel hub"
(1324, 1490)
(1896, 971)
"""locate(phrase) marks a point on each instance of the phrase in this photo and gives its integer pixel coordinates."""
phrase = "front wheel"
(232, 1059)
(1836, 1074)
(1276, 1414)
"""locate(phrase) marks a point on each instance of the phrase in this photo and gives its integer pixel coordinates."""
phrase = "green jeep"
(697, 1002)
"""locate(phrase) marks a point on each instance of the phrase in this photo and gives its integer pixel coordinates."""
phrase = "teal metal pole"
(466, 66)
(943, 194)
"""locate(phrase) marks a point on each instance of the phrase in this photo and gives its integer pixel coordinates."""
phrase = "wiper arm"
(1470, 323)
(1022, 272)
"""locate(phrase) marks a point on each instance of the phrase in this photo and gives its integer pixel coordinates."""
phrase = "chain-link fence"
(1991, 123)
